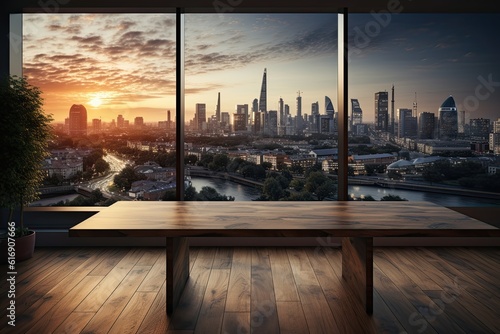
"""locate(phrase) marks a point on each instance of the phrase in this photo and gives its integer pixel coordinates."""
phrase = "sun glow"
(95, 102)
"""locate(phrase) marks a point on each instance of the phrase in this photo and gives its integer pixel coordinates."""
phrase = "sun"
(96, 102)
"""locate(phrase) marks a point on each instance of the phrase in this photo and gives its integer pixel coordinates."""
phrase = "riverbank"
(439, 189)
(386, 184)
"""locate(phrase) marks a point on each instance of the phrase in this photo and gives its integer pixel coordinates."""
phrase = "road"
(116, 165)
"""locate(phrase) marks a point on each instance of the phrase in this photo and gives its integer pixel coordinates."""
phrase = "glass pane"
(260, 96)
(424, 104)
(109, 82)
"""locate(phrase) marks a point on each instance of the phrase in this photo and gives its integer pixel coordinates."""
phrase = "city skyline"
(124, 64)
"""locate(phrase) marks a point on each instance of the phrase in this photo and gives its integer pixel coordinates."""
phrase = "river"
(245, 193)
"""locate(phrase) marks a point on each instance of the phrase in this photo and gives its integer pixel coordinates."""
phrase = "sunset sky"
(125, 64)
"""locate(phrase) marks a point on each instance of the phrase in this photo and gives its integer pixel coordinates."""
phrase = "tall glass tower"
(382, 111)
(77, 120)
(448, 119)
(263, 93)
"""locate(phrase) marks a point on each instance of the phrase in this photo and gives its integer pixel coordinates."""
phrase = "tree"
(211, 194)
(297, 184)
(432, 174)
(191, 159)
(367, 198)
(393, 198)
(266, 165)
(272, 189)
(101, 166)
(25, 133)
(326, 189)
(126, 177)
(314, 180)
(219, 162)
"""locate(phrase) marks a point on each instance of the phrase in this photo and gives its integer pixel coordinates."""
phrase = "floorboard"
(255, 290)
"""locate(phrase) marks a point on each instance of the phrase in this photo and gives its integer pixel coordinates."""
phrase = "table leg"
(177, 270)
(357, 269)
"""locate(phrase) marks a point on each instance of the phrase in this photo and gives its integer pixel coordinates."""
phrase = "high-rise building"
(381, 111)
(217, 109)
(479, 128)
(239, 122)
(255, 105)
(201, 116)
(120, 121)
(96, 125)
(448, 119)
(224, 119)
(169, 121)
(494, 140)
(315, 108)
(393, 125)
(407, 123)
(426, 125)
(329, 110)
(299, 120)
(243, 109)
(77, 120)
(139, 122)
(263, 93)
(273, 122)
(356, 113)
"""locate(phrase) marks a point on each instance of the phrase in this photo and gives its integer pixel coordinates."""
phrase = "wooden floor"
(259, 290)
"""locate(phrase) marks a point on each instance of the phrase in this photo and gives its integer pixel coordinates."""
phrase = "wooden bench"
(357, 223)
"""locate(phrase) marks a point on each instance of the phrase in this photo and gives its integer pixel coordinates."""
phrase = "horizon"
(125, 64)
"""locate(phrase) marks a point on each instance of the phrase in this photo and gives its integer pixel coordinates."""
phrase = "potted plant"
(25, 133)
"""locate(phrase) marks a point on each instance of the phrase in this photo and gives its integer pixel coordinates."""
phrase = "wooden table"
(356, 222)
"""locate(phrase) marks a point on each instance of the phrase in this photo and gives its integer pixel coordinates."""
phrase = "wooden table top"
(280, 219)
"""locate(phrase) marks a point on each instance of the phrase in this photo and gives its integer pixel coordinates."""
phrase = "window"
(422, 106)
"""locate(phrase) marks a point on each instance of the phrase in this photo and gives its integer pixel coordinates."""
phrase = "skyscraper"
(263, 93)
(217, 110)
(77, 120)
(120, 121)
(299, 121)
(494, 140)
(393, 125)
(426, 125)
(356, 113)
(381, 111)
(139, 122)
(407, 123)
(201, 115)
(243, 109)
(329, 110)
(448, 119)
(479, 128)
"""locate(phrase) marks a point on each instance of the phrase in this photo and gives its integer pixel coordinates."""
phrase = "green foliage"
(367, 198)
(101, 166)
(166, 159)
(297, 184)
(206, 159)
(392, 198)
(25, 133)
(266, 165)
(190, 159)
(126, 177)
(219, 162)
(272, 189)
(296, 169)
(210, 194)
(206, 194)
(371, 169)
